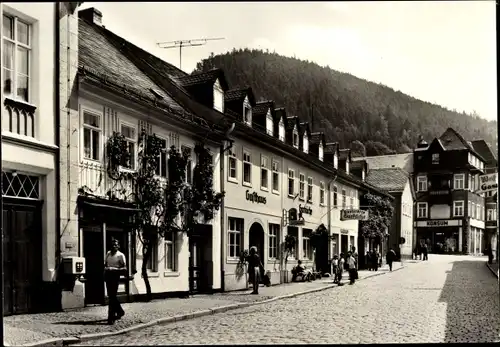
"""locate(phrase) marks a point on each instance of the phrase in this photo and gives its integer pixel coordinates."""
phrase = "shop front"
(440, 236)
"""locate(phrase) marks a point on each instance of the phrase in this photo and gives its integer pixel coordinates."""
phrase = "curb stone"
(491, 269)
(72, 340)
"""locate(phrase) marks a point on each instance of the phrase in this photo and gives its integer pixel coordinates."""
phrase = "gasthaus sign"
(353, 215)
(488, 182)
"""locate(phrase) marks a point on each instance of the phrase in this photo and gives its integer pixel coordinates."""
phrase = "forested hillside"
(345, 107)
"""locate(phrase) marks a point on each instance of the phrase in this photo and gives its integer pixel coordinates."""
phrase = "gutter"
(222, 220)
(57, 111)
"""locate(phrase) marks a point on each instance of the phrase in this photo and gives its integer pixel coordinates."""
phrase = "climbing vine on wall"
(380, 211)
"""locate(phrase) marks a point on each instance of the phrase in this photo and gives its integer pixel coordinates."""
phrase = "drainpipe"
(57, 124)
(222, 224)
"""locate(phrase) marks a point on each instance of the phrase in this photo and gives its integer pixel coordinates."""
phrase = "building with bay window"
(29, 156)
(449, 213)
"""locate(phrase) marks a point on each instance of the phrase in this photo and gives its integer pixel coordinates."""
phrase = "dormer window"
(295, 137)
(218, 97)
(335, 161)
(269, 123)
(305, 143)
(281, 129)
(347, 166)
(320, 151)
(247, 115)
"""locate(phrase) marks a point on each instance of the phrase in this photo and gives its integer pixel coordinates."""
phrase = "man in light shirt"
(114, 267)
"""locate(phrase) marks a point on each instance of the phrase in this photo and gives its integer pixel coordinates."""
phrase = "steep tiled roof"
(403, 161)
(331, 147)
(291, 122)
(237, 94)
(485, 151)
(317, 137)
(390, 179)
(344, 153)
(358, 165)
(261, 108)
(97, 54)
(203, 77)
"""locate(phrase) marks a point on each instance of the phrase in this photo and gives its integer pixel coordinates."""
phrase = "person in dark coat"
(489, 252)
(368, 260)
(375, 260)
(390, 257)
(425, 251)
(254, 265)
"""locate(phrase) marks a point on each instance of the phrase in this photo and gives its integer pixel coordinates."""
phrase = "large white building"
(29, 155)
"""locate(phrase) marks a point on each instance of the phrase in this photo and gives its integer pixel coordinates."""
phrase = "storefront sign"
(439, 223)
(344, 231)
(306, 210)
(253, 197)
(353, 215)
(488, 182)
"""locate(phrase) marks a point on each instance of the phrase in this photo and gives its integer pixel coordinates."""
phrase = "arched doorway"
(256, 238)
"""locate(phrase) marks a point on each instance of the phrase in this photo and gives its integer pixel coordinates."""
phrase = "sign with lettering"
(488, 182)
(344, 231)
(437, 223)
(304, 209)
(254, 197)
(353, 215)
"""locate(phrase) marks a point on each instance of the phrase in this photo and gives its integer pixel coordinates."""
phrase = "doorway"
(22, 247)
(344, 244)
(200, 260)
(256, 239)
(93, 247)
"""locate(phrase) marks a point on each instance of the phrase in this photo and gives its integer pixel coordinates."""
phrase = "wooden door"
(22, 257)
(94, 258)
(195, 261)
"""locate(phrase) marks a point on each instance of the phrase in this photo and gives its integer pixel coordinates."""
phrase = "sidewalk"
(90, 322)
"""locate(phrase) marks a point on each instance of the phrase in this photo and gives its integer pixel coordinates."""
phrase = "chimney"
(91, 15)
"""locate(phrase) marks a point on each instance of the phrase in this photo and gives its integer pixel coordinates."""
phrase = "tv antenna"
(186, 43)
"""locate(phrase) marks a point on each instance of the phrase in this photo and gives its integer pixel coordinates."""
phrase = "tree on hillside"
(377, 148)
(358, 149)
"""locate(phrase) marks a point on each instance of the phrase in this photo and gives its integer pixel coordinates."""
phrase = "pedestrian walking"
(369, 260)
(390, 257)
(254, 264)
(425, 249)
(355, 256)
(351, 263)
(335, 266)
(340, 269)
(375, 259)
(114, 266)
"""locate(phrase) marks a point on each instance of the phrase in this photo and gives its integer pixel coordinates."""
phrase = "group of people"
(421, 252)
(373, 260)
(348, 262)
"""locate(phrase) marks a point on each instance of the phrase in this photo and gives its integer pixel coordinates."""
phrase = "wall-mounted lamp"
(14, 173)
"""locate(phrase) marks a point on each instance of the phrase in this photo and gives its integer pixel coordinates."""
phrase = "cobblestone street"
(447, 299)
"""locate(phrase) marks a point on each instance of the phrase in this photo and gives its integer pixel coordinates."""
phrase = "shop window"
(295, 233)
(306, 244)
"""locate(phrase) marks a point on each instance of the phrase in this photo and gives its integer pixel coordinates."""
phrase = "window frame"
(291, 179)
(435, 158)
(164, 153)
(273, 245)
(190, 165)
(307, 252)
(421, 179)
(130, 140)
(152, 265)
(321, 153)
(305, 143)
(15, 69)
(335, 201)
(92, 129)
(218, 92)
(344, 198)
(231, 157)
(474, 210)
(264, 167)
(269, 124)
(351, 199)
(460, 205)
(310, 187)
(247, 117)
(459, 178)
(302, 186)
(275, 171)
(322, 193)
(469, 208)
(281, 130)
(426, 214)
(237, 246)
(295, 137)
(247, 164)
(166, 244)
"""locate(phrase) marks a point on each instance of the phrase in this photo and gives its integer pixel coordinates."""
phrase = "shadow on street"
(472, 299)
(84, 322)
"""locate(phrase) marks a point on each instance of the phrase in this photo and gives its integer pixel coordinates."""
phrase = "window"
(306, 244)
(281, 130)
(309, 189)
(264, 173)
(170, 258)
(482, 213)
(130, 137)
(152, 264)
(302, 186)
(218, 97)
(91, 136)
(458, 208)
(320, 156)
(16, 58)
(294, 231)
(473, 207)
(274, 230)
(469, 208)
(492, 214)
(351, 199)
(276, 177)
(471, 182)
(335, 161)
(189, 164)
(343, 198)
(421, 210)
(322, 193)
(478, 211)
(231, 159)
(234, 230)
(435, 158)
(305, 142)
(291, 182)
(422, 183)
(247, 168)
(295, 138)
(335, 196)
(247, 115)
(458, 181)
(161, 168)
(269, 124)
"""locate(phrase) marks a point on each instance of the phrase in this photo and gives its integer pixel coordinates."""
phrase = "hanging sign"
(353, 215)
(488, 182)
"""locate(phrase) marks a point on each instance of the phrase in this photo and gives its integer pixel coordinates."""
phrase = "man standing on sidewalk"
(115, 265)
(390, 257)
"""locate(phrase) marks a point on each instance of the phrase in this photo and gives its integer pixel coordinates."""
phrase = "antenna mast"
(186, 43)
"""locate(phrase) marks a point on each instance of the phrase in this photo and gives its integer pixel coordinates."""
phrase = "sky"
(440, 52)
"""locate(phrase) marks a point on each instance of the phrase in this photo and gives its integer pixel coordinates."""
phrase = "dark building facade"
(449, 213)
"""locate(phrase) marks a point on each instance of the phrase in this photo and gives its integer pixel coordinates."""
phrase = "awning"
(106, 206)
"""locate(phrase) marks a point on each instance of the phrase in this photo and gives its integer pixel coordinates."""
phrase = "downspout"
(222, 224)
(57, 104)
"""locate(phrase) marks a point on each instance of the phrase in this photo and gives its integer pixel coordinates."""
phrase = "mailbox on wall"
(74, 265)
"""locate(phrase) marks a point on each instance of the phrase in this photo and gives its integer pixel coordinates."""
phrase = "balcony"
(18, 117)
(440, 191)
